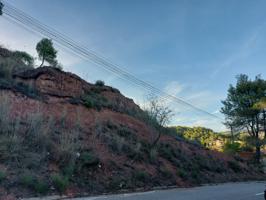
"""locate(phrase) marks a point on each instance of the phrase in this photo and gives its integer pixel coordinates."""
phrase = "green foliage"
(27, 180)
(153, 155)
(234, 166)
(2, 176)
(88, 158)
(95, 100)
(38, 185)
(28, 90)
(41, 187)
(167, 152)
(182, 173)
(141, 176)
(243, 110)
(26, 58)
(204, 136)
(12, 62)
(60, 182)
(166, 173)
(46, 52)
(99, 83)
(116, 183)
(231, 148)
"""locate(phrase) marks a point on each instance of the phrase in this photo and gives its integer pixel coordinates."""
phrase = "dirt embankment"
(60, 134)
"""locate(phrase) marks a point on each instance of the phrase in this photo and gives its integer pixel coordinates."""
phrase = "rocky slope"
(60, 134)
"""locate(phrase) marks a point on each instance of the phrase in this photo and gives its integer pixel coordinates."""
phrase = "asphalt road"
(229, 191)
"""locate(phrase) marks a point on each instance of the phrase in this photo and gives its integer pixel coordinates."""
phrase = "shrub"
(195, 176)
(28, 90)
(167, 152)
(89, 159)
(99, 83)
(38, 185)
(60, 182)
(234, 166)
(231, 148)
(94, 100)
(12, 62)
(141, 176)
(182, 173)
(89, 103)
(41, 187)
(7, 66)
(2, 176)
(27, 180)
(26, 58)
(153, 155)
(166, 173)
(115, 183)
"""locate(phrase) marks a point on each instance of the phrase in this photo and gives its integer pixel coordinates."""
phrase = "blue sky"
(190, 48)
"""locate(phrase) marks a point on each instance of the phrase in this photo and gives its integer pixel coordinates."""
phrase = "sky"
(192, 49)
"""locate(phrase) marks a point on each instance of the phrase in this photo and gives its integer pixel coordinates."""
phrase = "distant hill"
(60, 134)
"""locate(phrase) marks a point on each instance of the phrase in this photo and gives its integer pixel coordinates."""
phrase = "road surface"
(229, 191)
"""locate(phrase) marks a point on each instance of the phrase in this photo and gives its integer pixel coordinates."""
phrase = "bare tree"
(159, 115)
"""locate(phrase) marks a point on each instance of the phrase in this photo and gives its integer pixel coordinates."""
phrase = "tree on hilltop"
(46, 52)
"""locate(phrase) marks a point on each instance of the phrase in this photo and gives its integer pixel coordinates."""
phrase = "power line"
(30, 23)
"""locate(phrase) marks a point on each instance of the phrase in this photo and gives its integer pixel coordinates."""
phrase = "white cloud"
(174, 88)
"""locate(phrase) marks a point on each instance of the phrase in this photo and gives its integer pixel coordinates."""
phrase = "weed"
(89, 159)
(153, 155)
(27, 180)
(60, 182)
(234, 166)
(41, 187)
(167, 152)
(2, 176)
(166, 173)
(141, 176)
(94, 100)
(182, 173)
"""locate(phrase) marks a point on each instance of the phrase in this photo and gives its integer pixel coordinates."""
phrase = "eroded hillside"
(60, 134)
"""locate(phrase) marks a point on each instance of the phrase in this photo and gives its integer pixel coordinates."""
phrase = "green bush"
(234, 166)
(167, 152)
(12, 62)
(38, 185)
(99, 83)
(166, 173)
(27, 180)
(153, 154)
(89, 103)
(2, 176)
(94, 100)
(41, 187)
(231, 148)
(141, 176)
(60, 182)
(182, 173)
(195, 176)
(89, 159)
